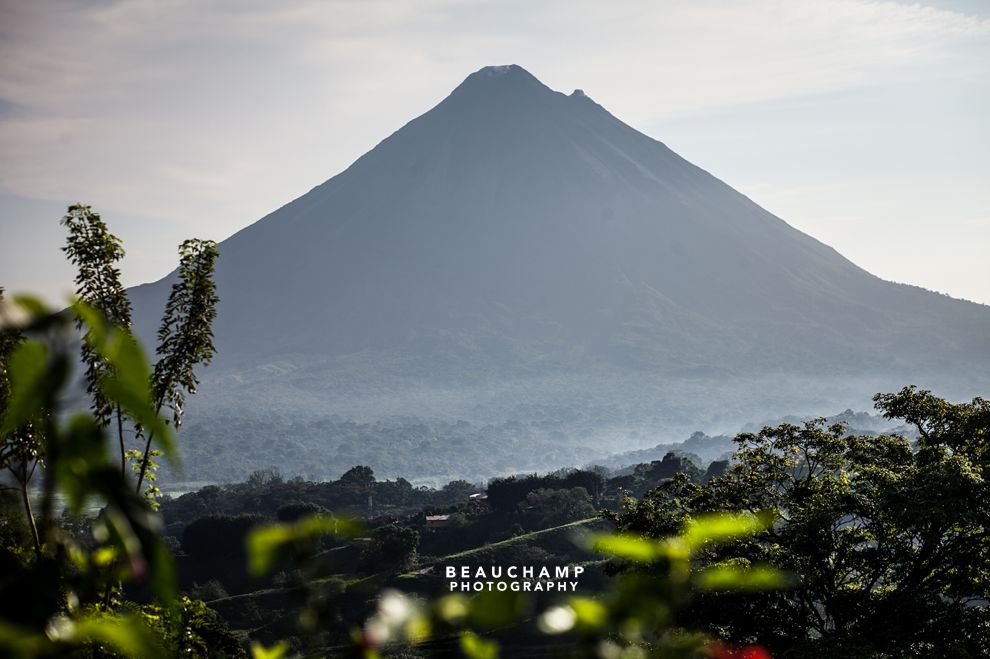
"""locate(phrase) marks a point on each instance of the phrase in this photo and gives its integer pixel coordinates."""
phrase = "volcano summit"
(517, 279)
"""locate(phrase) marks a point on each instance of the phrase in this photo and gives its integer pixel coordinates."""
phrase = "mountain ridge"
(515, 232)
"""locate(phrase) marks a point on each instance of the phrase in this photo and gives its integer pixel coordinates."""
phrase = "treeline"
(407, 525)
(357, 493)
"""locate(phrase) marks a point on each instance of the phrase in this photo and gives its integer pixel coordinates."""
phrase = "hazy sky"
(863, 123)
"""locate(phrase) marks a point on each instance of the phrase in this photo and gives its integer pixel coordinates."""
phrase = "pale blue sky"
(862, 123)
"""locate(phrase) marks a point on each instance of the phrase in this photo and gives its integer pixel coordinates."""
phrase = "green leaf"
(82, 449)
(453, 608)
(127, 635)
(161, 568)
(267, 544)
(276, 651)
(264, 546)
(629, 547)
(28, 386)
(734, 577)
(128, 384)
(135, 530)
(491, 609)
(92, 319)
(723, 527)
(20, 642)
(475, 647)
(590, 613)
(34, 306)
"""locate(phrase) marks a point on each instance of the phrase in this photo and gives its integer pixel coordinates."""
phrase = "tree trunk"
(120, 438)
(29, 513)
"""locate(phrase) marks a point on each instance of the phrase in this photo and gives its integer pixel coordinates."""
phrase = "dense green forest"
(809, 540)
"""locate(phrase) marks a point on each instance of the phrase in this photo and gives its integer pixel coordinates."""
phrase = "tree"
(53, 603)
(64, 583)
(652, 473)
(185, 337)
(505, 494)
(20, 450)
(296, 510)
(887, 540)
(592, 481)
(459, 490)
(359, 476)
(194, 630)
(550, 508)
(95, 251)
(393, 546)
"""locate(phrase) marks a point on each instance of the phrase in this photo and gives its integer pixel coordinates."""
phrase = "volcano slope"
(518, 280)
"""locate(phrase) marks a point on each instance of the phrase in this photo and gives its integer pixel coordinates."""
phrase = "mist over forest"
(433, 435)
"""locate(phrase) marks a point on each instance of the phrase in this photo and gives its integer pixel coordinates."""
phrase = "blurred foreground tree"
(20, 450)
(634, 619)
(52, 601)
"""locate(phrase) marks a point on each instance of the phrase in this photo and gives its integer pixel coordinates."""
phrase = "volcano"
(520, 256)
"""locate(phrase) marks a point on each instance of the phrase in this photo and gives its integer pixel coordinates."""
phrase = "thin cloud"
(212, 114)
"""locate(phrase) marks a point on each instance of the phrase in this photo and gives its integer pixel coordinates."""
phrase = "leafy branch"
(185, 337)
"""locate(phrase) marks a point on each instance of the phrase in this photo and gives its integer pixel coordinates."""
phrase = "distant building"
(437, 521)
(479, 496)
